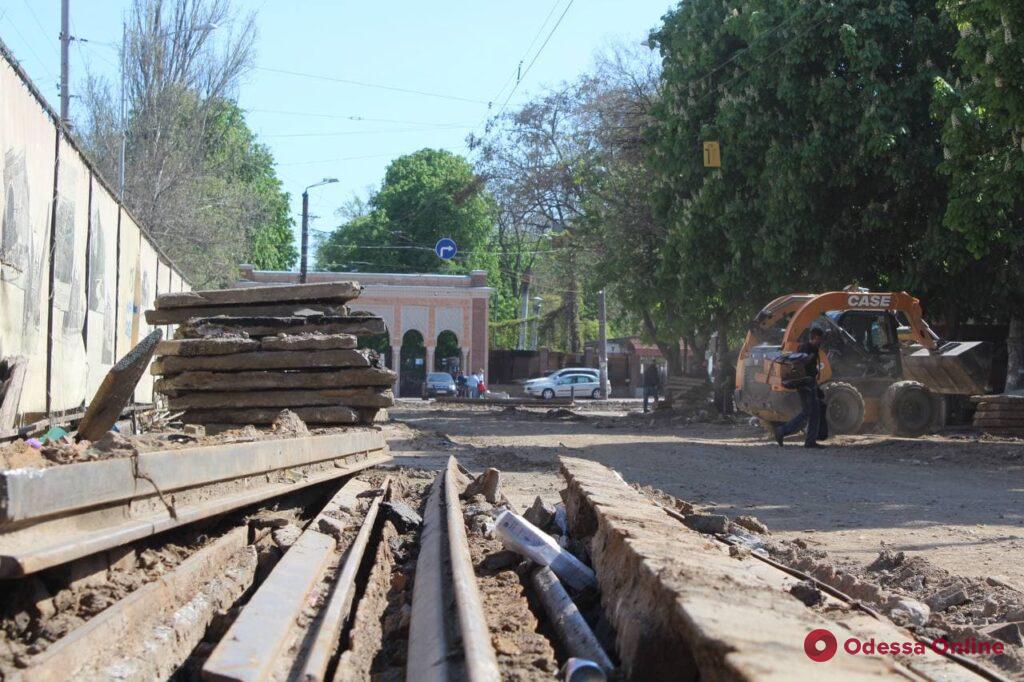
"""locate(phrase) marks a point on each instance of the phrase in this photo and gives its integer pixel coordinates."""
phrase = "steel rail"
(55, 515)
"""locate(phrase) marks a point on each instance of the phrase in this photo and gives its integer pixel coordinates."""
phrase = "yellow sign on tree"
(712, 155)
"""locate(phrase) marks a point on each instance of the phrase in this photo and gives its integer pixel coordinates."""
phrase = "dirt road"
(957, 501)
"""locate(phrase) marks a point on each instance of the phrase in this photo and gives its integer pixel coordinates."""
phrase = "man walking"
(810, 415)
(652, 382)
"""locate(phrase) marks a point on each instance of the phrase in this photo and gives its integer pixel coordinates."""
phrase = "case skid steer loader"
(867, 373)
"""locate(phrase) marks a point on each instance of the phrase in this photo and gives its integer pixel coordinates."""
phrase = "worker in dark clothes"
(810, 415)
(652, 382)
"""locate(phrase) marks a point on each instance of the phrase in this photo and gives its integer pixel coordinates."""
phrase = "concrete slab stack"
(240, 356)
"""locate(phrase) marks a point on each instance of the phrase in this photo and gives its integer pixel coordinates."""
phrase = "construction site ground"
(954, 499)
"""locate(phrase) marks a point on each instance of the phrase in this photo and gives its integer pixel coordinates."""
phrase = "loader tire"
(907, 409)
(844, 407)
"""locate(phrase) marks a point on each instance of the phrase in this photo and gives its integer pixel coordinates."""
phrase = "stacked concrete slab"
(240, 356)
(1000, 415)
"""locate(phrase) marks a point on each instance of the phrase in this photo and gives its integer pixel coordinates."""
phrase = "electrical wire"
(28, 46)
(535, 56)
(351, 117)
(370, 132)
(526, 53)
(35, 18)
(364, 84)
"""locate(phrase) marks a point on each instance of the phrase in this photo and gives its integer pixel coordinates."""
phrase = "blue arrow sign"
(445, 248)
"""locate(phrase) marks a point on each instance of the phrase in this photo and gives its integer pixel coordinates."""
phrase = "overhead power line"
(533, 61)
(517, 75)
(349, 117)
(371, 132)
(363, 84)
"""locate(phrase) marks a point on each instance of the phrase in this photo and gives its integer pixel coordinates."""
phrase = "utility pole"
(537, 302)
(65, 43)
(602, 343)
(303, 267)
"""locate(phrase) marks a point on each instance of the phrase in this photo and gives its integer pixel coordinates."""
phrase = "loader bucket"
(955, 368)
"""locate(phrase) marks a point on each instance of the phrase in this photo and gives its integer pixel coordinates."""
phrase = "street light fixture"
(304, 264)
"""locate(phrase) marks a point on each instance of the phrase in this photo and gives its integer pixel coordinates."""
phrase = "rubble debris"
(948, 598)
(501, 560)
(910, 612)
(402, 516)
(286, 536)
(1006, 632)
(807, 592)
(289, 424)
(117, 389)
(540, 514)
(710, 524)
(487, 484)
(751, 523)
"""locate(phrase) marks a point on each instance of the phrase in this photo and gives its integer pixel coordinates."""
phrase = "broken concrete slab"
(268, 360)
(306, 341)
(707, 523)
(402, 516)
(353, 377)
(268, 415)
(683, 609)
(334, 292)
(117, 389)
(352, 397)
(262, 326)
(297, 309)
(487, 484)
(540, 514)
(1006, 632)
(200, 347)
(948, 598)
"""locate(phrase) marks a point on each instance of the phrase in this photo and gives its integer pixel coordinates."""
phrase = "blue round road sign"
(445, 248)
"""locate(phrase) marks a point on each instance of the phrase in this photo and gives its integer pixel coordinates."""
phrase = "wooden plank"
(334, 292)
(257, 326)
(309, 342)
(191, 348)
(117, 389)
(10, 398)
(267, 415)
(257, 361)
(270, 380)
(998, 398)
(298, 309)
(350, 397)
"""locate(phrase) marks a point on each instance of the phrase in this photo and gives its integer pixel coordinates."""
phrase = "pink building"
(419, 310)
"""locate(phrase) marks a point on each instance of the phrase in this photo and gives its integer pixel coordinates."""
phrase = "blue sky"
(466, 51)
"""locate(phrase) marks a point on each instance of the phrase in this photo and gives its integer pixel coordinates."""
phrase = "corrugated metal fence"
(76, 270)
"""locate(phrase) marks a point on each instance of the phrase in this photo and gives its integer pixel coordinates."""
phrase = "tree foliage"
(425, 196)
(194, 174)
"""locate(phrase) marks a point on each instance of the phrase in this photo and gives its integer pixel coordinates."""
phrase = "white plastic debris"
(521, 536)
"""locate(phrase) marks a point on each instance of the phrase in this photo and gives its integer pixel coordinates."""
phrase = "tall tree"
(983, 112)
(194, 175)
(828, 148)
(425, 196)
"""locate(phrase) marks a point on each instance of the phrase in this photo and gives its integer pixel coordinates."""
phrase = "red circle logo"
(820, 645)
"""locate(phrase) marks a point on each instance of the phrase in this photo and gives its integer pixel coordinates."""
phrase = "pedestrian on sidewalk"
(460, 384)
(811, 397)
(473, 385)
(652, 384)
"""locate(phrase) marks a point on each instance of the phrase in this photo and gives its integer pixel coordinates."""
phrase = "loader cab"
(862, 344)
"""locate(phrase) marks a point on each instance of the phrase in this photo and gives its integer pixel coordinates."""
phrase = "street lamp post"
(304, 263)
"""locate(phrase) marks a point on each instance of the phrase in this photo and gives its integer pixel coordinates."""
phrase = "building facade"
(435, 322)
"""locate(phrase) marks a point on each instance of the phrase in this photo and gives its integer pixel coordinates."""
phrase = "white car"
(567, 384)
(556, 374)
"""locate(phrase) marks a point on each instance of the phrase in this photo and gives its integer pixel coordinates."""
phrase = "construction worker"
(652, 382)
(810, 400)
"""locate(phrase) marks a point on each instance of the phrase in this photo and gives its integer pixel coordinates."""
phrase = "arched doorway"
(447, 354)
(413, 369)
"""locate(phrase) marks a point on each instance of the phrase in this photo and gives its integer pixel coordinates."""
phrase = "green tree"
(829, 151)
(983, 135)
(425, 196)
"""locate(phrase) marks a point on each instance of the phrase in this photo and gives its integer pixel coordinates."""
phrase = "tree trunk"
(1015, 353)
(725, 373)
(668, 351)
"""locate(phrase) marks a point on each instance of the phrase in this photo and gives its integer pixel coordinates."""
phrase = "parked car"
(566, 385)
(558, 373)
(439, 383)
